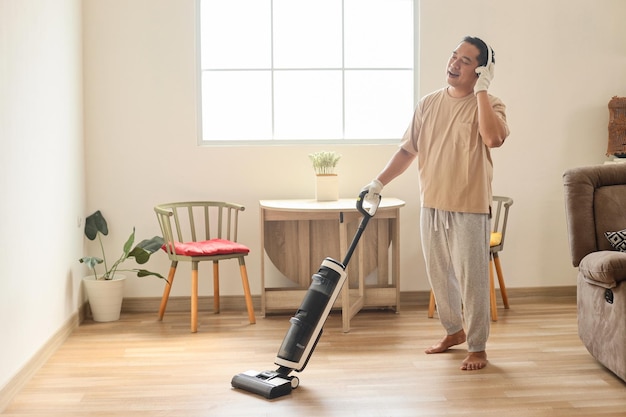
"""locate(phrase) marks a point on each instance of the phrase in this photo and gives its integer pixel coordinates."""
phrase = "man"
(450, 135)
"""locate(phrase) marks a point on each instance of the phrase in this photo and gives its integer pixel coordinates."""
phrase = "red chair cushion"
(208, 248)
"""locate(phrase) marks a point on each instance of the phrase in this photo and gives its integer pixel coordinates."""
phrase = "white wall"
(557, 68)
(41, 174)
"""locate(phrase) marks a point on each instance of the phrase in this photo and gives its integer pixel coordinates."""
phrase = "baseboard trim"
(407, 298)
(183, 303)
(17, 383)
(515, 295)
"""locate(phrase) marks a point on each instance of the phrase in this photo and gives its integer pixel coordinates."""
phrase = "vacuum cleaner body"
(304, 332)
(309, 320)
(306, 325)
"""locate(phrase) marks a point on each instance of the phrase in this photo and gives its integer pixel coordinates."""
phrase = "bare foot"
(447, 342)
(474, 361)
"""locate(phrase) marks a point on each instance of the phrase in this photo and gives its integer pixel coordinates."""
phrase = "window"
(305, 70)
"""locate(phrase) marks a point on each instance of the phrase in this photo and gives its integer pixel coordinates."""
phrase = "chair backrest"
(195, 221)
(500, 216)
(595, 202)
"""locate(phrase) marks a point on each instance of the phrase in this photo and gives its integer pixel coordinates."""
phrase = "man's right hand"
(373, 189)
(485, 75)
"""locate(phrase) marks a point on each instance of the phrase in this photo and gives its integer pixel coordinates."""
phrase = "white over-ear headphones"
(489, 58)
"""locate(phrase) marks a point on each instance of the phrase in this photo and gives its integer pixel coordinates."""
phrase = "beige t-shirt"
(455, 167)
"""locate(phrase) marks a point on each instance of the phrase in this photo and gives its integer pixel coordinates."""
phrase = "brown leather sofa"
(595, 203)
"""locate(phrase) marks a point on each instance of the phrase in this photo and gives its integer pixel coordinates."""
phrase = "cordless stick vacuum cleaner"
(306, 326)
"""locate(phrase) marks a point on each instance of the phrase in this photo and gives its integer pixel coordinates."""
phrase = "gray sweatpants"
(456, 252)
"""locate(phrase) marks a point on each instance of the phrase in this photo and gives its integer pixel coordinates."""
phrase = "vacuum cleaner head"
(268, 384)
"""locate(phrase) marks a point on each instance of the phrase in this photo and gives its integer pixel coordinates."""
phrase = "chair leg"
(194, 297)
(167, 289)
(246, 290)
(216, 287)
(492, 293)
(431, 305)
(505, 298)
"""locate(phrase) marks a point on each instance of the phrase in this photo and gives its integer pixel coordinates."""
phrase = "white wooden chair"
(202, 231)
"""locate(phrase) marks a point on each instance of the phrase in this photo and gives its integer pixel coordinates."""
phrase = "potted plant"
(326, 180)
(105, 291)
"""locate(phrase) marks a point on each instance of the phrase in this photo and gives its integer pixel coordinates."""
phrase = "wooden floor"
(141, 367)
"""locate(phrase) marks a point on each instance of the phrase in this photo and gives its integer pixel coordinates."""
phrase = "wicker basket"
(617, 127)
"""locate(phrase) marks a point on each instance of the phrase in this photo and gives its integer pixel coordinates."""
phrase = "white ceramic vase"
(327, 187)
(105, 297)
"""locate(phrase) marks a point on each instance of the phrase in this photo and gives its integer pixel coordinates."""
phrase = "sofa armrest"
(604, 268)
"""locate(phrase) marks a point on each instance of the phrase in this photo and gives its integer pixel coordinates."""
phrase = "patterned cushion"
(209, 248)
(617, 239)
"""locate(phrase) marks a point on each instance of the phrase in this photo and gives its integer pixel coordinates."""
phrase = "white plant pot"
(327, 187)
(105, 297)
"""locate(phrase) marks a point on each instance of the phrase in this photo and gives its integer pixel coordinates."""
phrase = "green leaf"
(129, 243)
(95, 223)
(145, 273)
(151, 245)
(145, 248)
(90, 261)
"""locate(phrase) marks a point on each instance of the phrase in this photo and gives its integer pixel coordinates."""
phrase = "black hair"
(482, 48)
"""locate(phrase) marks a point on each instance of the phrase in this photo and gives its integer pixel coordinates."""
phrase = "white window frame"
(343, 69)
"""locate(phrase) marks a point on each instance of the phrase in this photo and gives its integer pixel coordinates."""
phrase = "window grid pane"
(227, 100)
(224, 43)
(376, 103)
(307, 34)
(308, 105)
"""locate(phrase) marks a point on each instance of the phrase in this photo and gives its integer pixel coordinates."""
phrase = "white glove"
(373, 192)
(485, 75)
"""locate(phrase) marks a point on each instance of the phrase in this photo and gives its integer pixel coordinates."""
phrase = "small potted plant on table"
(326, 180)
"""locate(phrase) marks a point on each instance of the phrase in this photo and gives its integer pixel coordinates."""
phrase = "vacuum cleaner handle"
(366, 207)
(367, 212)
